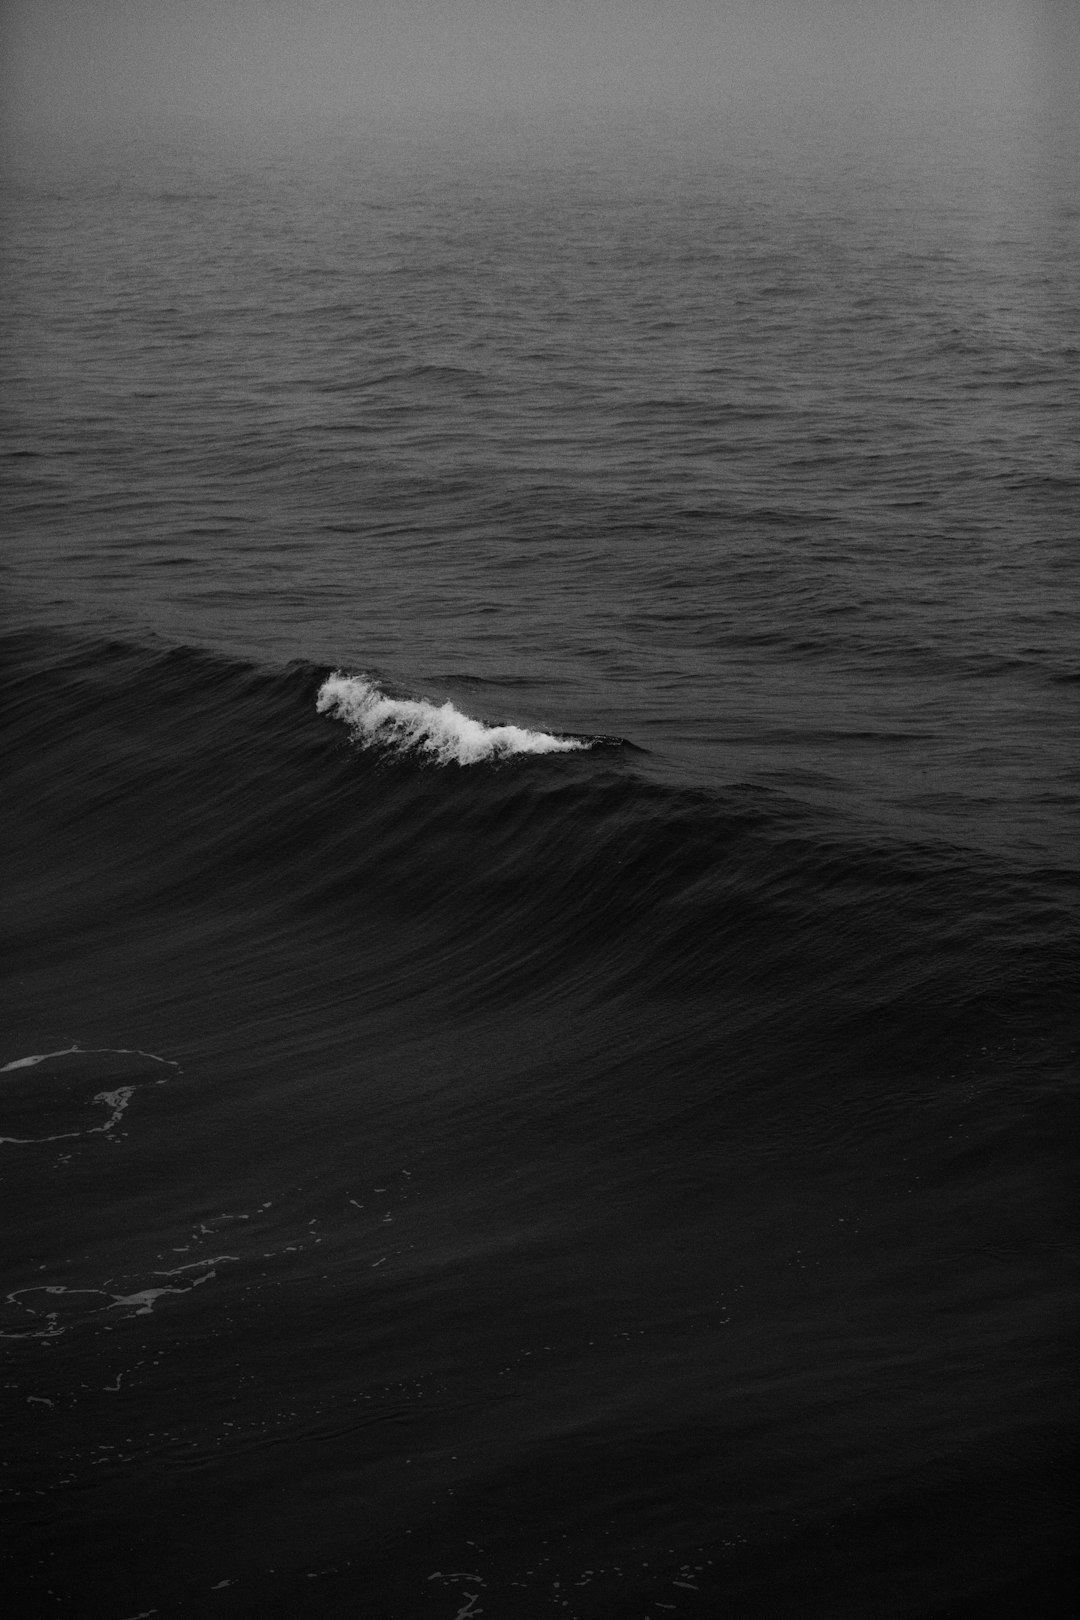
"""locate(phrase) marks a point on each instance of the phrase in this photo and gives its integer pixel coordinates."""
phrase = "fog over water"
(72, 67)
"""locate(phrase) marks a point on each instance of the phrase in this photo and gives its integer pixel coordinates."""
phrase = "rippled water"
(540, 706)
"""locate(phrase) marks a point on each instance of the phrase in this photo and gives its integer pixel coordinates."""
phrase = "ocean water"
(540, 809)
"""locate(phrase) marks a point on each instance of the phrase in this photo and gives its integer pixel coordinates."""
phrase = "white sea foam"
(408, 725)
(86, 1051)
(115, 1101)
(37, 1057)
(56, 1308)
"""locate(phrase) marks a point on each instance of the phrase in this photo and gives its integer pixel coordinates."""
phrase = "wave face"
(439, 731)
(481, 1086)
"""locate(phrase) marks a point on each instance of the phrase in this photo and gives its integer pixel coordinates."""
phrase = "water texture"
(542, 917)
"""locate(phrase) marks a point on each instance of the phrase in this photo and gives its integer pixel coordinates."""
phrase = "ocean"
(540, 815)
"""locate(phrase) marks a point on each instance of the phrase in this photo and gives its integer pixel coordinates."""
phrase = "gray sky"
(77, 63)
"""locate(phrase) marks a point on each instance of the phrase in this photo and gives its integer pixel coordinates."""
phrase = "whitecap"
(409, 725)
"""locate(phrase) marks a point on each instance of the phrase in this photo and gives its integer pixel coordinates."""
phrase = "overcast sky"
(73, 63)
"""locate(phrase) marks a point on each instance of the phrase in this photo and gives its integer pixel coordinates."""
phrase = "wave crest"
(409, 725)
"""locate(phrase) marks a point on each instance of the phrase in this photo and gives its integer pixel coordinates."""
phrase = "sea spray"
(409, 725)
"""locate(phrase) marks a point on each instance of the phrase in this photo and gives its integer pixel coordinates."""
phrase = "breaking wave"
(409, 725)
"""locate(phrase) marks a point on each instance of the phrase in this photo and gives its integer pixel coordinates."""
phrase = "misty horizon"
(73, 70)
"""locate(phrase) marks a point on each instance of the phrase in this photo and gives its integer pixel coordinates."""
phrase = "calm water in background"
(622, 1181)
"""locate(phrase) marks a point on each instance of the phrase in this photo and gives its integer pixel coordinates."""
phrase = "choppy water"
(541, 807)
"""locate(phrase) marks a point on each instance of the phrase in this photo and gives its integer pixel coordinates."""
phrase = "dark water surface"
(616, 1165)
